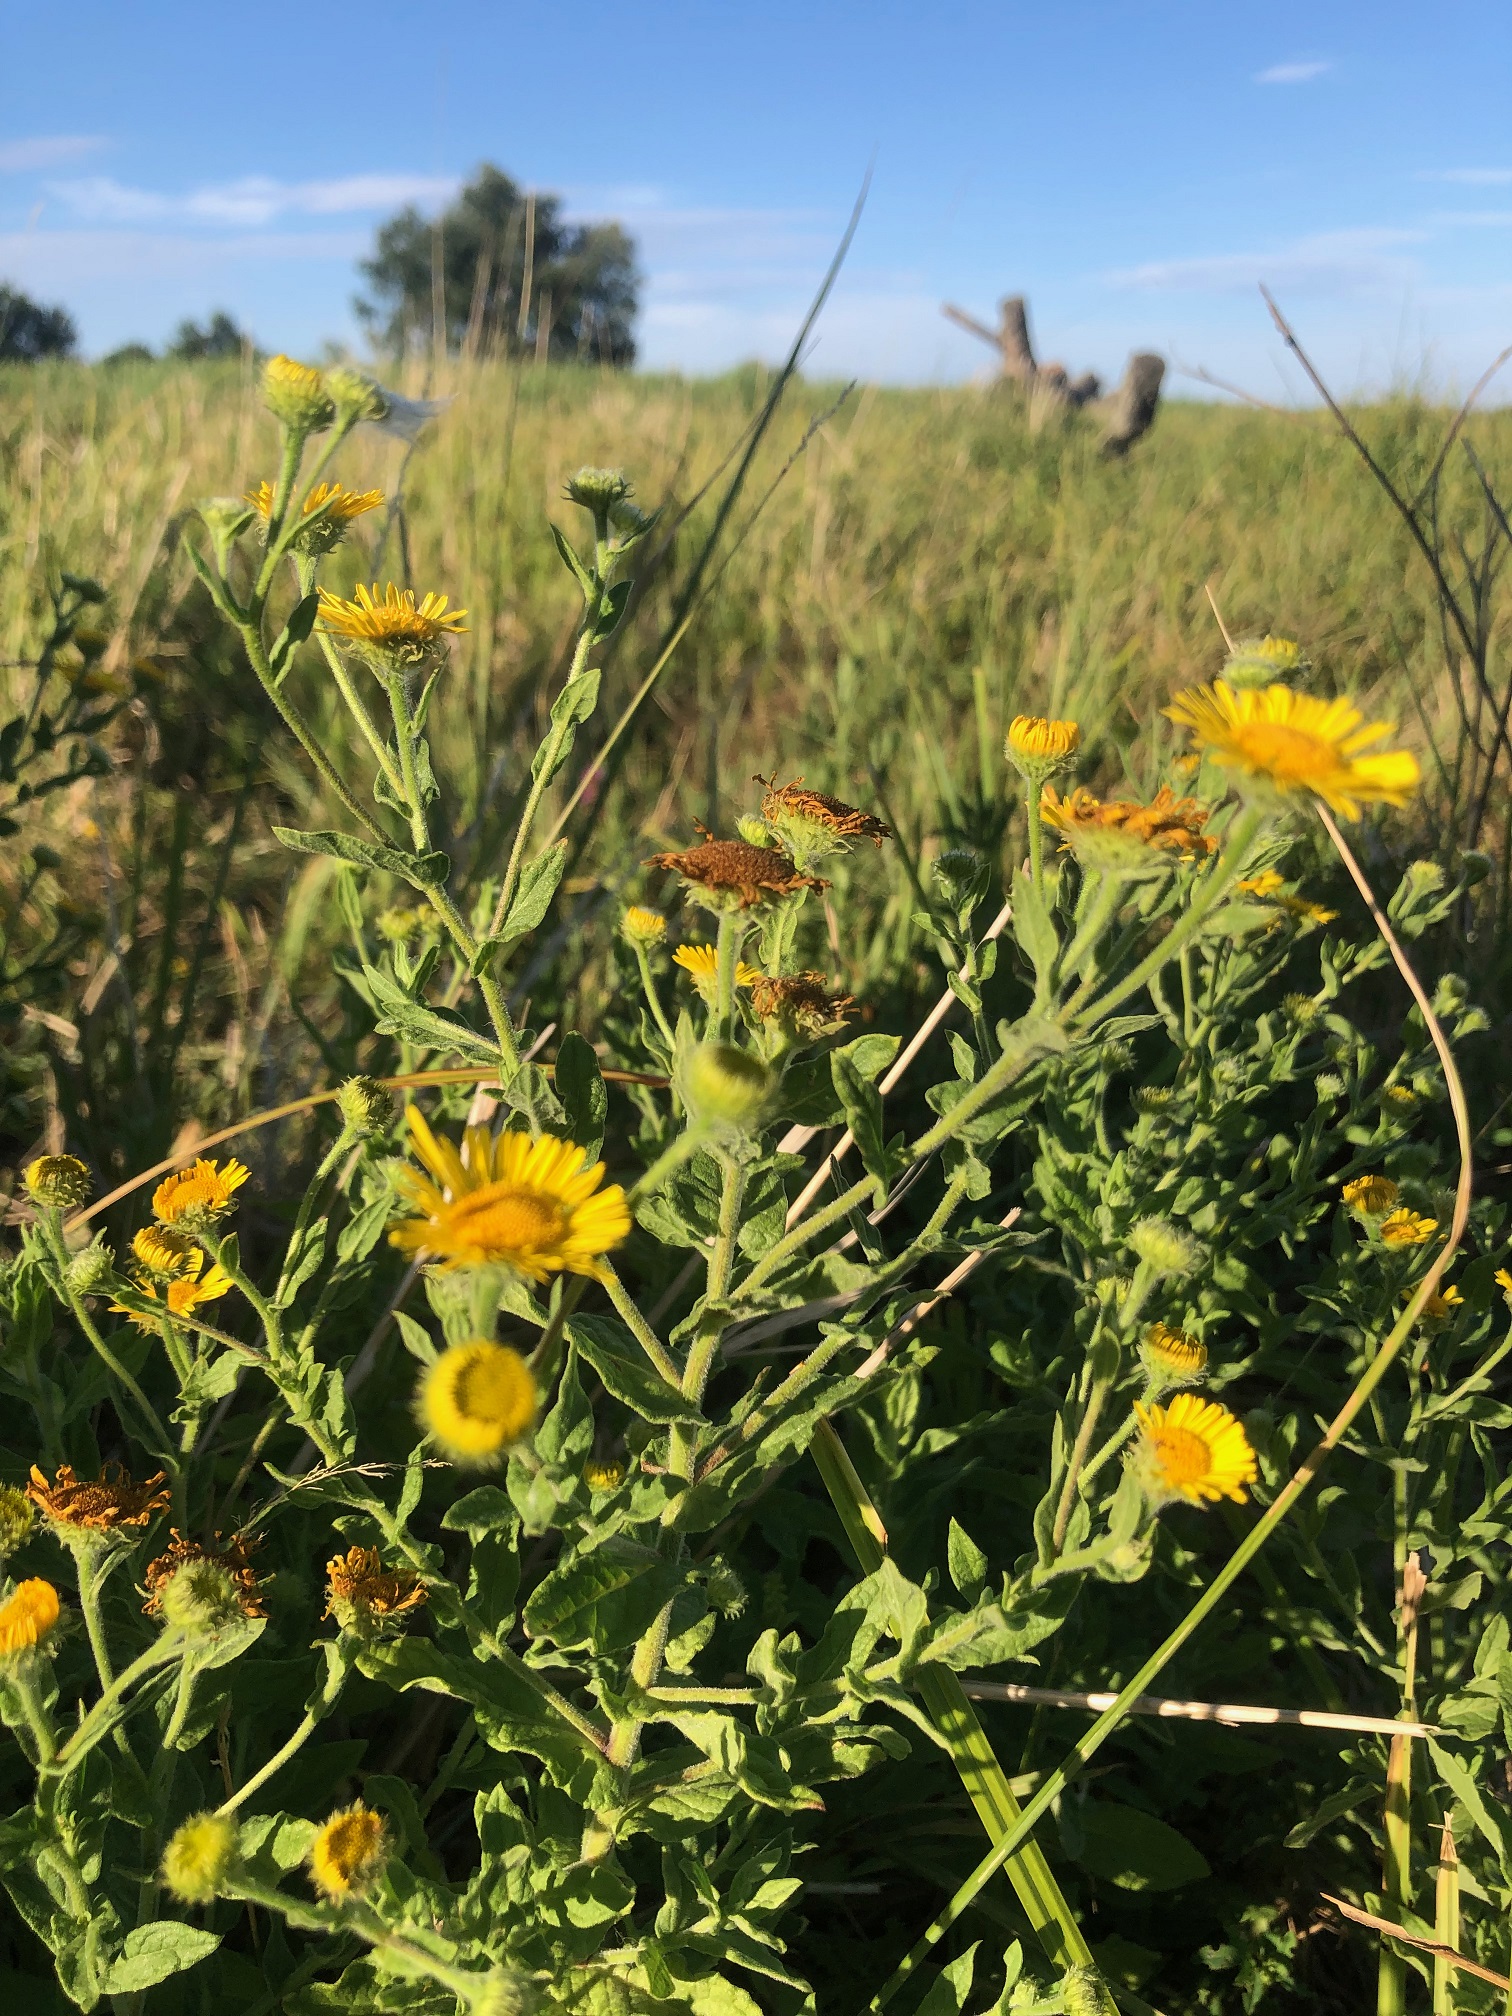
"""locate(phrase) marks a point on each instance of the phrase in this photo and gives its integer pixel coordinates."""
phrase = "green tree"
(508, 266)
(29, 331)
(219, 337)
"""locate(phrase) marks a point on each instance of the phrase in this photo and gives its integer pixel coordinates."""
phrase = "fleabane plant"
(532, 1539)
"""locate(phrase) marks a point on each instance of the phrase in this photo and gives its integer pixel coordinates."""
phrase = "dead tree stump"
(1128, 412)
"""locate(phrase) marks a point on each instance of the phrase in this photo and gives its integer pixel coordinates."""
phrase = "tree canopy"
(29, 331)
(219, 337)
(512, 274)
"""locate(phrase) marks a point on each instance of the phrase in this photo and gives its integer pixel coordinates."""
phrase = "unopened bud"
(297, 394)
(354, 395)
(503, 1992)
(92, 1271)
(1163, 1247)
(199, 1599)
(1085, 1993)
(17, 1518)
(58, 1182)
(598, 490)
(726, 1086)
(366, 1106)
(200, 1857)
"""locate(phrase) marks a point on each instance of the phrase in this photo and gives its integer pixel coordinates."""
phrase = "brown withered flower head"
(106, 1505)
(811, 824)
(234, 1559)
(800, 1003)
(1125, 837)
(727, 875)
(362, 1593)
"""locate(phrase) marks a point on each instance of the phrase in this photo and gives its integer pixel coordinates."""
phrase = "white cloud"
(47, 150)
(59, 260)
(1291, 73)
(251, 202)
(1331, 262)
(1473, 178)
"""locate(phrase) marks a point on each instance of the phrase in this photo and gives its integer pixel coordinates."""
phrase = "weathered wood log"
(1131, 410)
(1128, 412)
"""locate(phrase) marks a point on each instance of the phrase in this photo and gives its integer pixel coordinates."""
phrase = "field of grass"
(899, 576)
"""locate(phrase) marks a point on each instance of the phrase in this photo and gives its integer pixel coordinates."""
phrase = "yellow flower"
(1034, 743)
(1441, 1303)
(1124, 836)
(183, 1293)
(1171, 1357)
(28, 1616)
(58, 1181)
(1267, 883)
(1503, 1281)
(1400, 1095)
(476, 1399)
(338, 506)
(1371, 1196)
(535, 1206)
(348, 1852)
(198, 1196)
(1195, 1450)
(103, 1506)
(200, 1857)
(1407, 1228)
(603, 1476)
(393, 628)
(297, 393)
(1288, 742)
(643, 927)
(701, 964)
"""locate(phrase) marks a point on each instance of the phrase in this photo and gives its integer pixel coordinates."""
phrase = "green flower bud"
(1301, 1010)
(17, 1518)
(755, 831)
(367, 1107)
(58, 1182)
(200, 1858)
(199, 1599)
(598, 490)
(961, 876)
(92, 1271)
(1261, 661)
(1085, 1993)
(354, 395)
(225, 519)
(1163, 1247)
(503, 1992)
(727, 1592)
(726, 1086)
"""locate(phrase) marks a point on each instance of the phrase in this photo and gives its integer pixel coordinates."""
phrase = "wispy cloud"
(48, 150)
(65, 260)
(249, 203)
(1331, 262)
(1471, 178)
(1291, 73)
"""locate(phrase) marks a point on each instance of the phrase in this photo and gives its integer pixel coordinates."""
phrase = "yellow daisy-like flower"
(701, 964)
(1288, 742)
(1503, 1281)
(643, 927)
(194, 1198)
(297, 393)
(183, 1295)
(337, 504)
(1372, 1196)
(164, 1254)
(539, 1206)
(393, 626)
(1171, 1357)
(477, 1399)
(1407, 1228)
(1441, 1304)
(28, 1616)
(1035, 741)
(1194, 1450)
(348, 1852)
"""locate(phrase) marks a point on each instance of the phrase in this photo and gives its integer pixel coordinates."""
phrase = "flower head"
(202, 1599)
(171, 1269)
(643, 927)
(733, 875)
(16, 1520)
(362, 1593)
(1441, 1305)
(28, 1616)
(298, 394)
(324, 515)
(1194, 1450)
(200, 1856)
(1371, 1196)
(799, 1003)
(57, 1182)
(1283, 743)
(597, 490)
(1163, 1247)
(538, 1206)
(1038, 748)
(106, 1505)
(477, 1399)
(603, 1475)
(1407, 1228)
(393, 631)
(348, 1852)
(1125, 837)
(196, 1198)
(811, 824)
(366, 1107)
(1257, 661)
(1171, 1357)
(1269, 887)
(1503, 1280)
(701, 964)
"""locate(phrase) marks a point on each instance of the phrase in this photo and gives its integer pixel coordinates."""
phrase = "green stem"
(315, 1714)
(357, 707)
(731, 934)
(1090, 1417)
(300, 729)
(943, 1696)
(150, 1427)
(86, 1563)
(630, 1315)
(653, 998)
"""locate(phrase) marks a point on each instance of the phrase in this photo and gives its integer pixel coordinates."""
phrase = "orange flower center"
(1289, 754)
(1184, 1458)
(500, 1218)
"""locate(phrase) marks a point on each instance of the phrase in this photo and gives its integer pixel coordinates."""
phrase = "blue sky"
(1134, 168)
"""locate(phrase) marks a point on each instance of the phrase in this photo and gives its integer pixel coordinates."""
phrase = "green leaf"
(1035, 932)
(573, 704)
(532, 899)
(967, 1562)
(613, 609)
(1333, 1808)
(863, 1115)
(950, 1987)
(421, 871)
(152, 1952)
(604, 1599)
(580, 1087)
(1134, 1850)
(430, 1028)
(571, 562)
(294, 633)
(483, 1510)
(619, 1361)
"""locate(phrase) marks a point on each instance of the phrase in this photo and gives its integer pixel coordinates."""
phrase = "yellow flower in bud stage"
(17, 1519)
(1038, 747)
(1407, 1228)
(1193, 1450)
(198, 1197)
(701, 964)
(297, 394)
(200, 1857)
(603, 1476)
(348, 1853)
(1371, 1196)
(539, 1207)
(392, 630)
(726, 1087)
(1171, 1357)
(477, 1399)
(365, 1105)
(643, 927)
(58, 1182)
(28, 1616)
(1284, 743)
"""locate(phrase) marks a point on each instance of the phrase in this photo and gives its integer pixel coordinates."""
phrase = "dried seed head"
(727, 875)
(812, 824)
